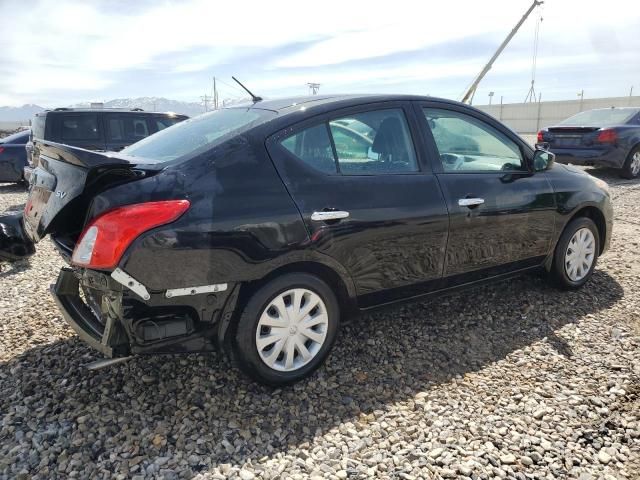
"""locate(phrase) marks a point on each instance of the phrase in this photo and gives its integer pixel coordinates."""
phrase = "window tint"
(468, 144)
(313, 147)
(374, 143)
(127, 128)
(80, 127)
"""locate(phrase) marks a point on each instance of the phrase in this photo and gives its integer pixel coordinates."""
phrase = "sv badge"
(60, 194)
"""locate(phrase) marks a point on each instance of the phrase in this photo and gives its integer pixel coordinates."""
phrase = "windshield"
(599, 118)
(191, 137)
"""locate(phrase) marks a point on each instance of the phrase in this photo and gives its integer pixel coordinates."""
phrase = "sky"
(60, 52)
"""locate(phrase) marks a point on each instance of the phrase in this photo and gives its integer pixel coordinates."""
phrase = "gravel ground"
(514, 380)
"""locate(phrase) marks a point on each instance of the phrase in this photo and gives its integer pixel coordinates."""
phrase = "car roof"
(106, 110)
(329, 102)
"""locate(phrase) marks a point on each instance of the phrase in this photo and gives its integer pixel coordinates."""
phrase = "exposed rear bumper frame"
(66, 293)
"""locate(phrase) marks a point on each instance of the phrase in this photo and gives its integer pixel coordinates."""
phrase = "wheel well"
(326, 274)
(598, 218)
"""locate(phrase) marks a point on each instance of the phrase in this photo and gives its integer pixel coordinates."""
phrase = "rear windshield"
(599, 118)
(196, 135)
(20, 137)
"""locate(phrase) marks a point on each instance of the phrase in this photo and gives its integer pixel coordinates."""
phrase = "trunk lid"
(63, 181)
(570, 136)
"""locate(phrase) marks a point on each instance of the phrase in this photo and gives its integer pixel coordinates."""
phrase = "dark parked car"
(13, 156)
(258, 228)
(608, 137)
(98, 128)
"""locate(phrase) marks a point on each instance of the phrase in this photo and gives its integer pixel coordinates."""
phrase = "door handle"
(470, 202)
(330, 215)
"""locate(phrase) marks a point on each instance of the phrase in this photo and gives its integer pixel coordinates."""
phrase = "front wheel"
(576, 253)
(286, 329)
(631, 167)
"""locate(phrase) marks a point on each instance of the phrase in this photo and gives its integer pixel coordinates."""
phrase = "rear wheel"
(286, 329)
(576, 253)
(631, 167)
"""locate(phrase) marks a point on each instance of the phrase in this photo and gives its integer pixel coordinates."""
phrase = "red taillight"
(607, 135)
(1, 149)
(540, 136)
(105, 239)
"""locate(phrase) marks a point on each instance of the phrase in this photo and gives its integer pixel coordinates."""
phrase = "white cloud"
(67, 49)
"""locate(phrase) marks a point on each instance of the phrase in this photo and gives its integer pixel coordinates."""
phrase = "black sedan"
(258, 228)
(608, 137)
(13, 156)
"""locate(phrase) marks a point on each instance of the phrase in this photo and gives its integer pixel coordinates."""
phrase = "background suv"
(98, 129)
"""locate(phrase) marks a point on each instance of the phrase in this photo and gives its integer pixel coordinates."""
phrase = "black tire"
(558, 269)
(244, 348)
(629, 170)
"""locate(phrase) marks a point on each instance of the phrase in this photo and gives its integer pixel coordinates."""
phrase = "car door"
(501, 213)
(368, 197)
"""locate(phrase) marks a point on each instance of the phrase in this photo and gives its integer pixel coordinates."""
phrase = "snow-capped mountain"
(19, 114)
(153, 104)
(149, 104)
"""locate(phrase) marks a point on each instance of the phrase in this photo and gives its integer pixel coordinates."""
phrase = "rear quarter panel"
(240, 226)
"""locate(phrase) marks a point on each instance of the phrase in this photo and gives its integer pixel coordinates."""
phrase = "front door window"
(467, 144)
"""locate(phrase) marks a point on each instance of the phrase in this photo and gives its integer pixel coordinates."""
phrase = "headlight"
(601, 183)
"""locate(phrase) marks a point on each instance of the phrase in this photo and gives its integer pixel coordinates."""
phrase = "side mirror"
(542, 160)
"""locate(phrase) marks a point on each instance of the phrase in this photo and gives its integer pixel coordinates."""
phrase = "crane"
(471, 91)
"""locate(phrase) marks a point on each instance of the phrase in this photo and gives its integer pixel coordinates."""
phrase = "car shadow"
(12, 268)
(13, 188)
(180, 406)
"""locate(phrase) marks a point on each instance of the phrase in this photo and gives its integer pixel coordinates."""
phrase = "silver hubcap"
(635, 163)
(580, 254)
(292, 329)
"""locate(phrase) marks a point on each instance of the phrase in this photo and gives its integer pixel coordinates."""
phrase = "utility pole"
(215, 95)
(581, 95)
(490, 97)
(205, 101)
(313, 88)
(471, 91)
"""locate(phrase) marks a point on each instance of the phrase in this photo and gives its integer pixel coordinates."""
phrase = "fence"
(531, 117)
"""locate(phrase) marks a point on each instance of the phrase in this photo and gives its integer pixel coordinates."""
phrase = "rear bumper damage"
(14, 244)
(119, 320)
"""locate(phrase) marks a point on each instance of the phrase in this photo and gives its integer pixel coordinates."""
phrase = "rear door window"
(313, 147)
(369, 143)
(374, 142)
(79, 127)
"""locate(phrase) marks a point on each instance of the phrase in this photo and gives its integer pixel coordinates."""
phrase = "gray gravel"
(515, 380)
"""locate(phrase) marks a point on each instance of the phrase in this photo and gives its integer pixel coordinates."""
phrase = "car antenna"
(255, 98)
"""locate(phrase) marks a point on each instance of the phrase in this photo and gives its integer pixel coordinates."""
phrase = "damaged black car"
(257, 228)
